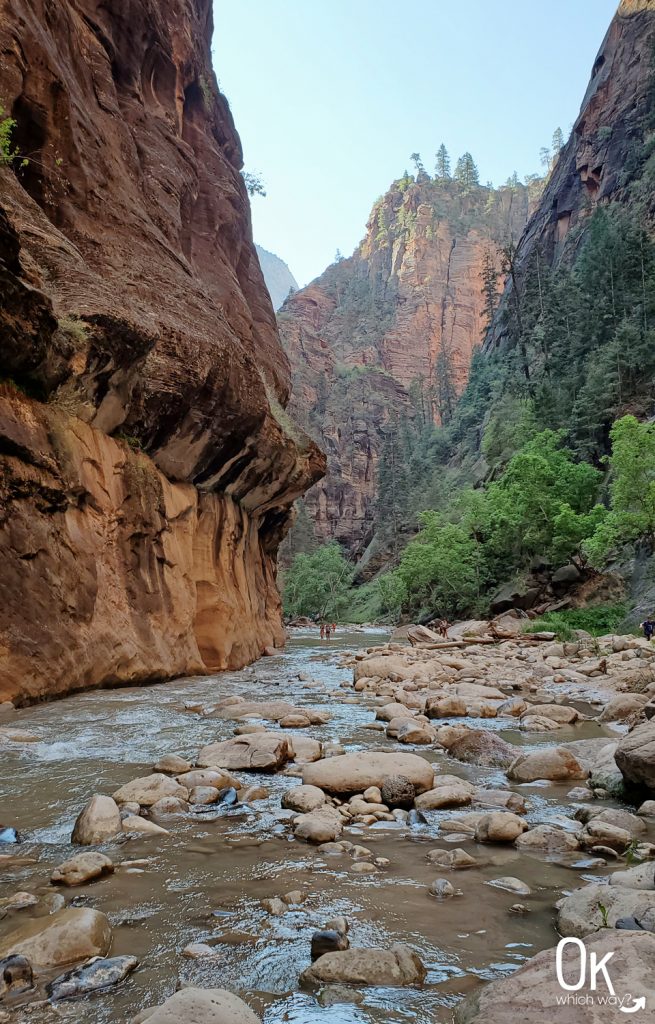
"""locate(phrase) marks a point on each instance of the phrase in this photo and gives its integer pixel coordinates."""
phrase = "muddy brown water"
(204, 881)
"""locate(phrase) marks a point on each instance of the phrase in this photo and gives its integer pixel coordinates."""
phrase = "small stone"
(328, 940)
(511, 884)
(442, 889)
(171, 764)
(201, 951)
(294, 897)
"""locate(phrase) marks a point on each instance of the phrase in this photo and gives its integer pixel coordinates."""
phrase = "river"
(205, 881)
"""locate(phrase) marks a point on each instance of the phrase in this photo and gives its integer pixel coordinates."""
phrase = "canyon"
(146, 466)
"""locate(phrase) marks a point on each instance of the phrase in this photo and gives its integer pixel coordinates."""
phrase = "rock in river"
(554, 763)
(399, 965)
(82, 868)
(200, 1006)
(323, 825)
(353, 773)
(97, 974)
(99, 822)
(148, 790)
(303, 799)
(635, 755)
(15, 974)
(75, 933)
(259, 751)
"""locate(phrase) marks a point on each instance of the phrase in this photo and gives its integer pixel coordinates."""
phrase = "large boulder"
(594, 907)
(323, 825)
(65, 937)
(149, 789)
(98, 822)
(499, 827)
(200, 1006)
(353, 773)
(484, 748)
(531, 994)
(443, 797)
(547, 838)
(399, 965)
(554, 763)
(560, 713)
(635, 755)
(259, 751)
(303, 799)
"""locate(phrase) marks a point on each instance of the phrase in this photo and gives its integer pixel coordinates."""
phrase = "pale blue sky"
(330, 97)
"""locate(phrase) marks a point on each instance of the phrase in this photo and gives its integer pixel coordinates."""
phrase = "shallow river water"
(204, 881)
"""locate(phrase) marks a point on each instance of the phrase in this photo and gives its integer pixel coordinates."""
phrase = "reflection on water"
(205, 881)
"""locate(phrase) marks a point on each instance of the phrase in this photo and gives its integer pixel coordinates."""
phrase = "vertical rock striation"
(147, 465)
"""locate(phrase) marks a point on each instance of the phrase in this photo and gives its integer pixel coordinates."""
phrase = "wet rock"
(252, 793)
(82, 868)
(208, 777)
(457, 859)
(171, 764)
(202, 951)
(499, 827)
(501, 798)
(446, 707)
(295, 721)
(484, 748)
(579, 793)
(623, 706)
(304, 799)
(390, 711)
(602, 833)
(510, 884)
(562, 714)
(135, 823)
(332, 995)
(228, 797)
(364, 868)
(600, 906)
(148, 790)
(443, 796)
(62, 938)
(413, 732)
(200, 1006)
(538, 723)
(373, 795)
(167, 807)
(514, 707)
(442, 888)
(305, 750)
(353, 773)
(531, 993)
(8, 834)
(95, 976)
(328, 940)
(323, 825)
(203, 795)
(275, 906)
(635, 755)
(293, 898)
(15, 975)
(399, 965)
(99, 822)
(262, 751)
(553, 763)
(19, 901)
(398, 791)
(547, 838)
(614, 816)
(642, 876)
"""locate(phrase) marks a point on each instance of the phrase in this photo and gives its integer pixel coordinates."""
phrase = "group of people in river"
(328, 629)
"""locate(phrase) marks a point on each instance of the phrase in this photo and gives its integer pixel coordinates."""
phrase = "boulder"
(594, 907)
(398, 791)
(642, 876)
(399, 965)
(148, 790)
(635, 755)
(171, 764)
(64, 937)
(547, 838)
(208, 777)
(353, 773)
(99, 822)
(554, 763)
(482, 747)
(510, 884)
(328, 940)
(414, 732)
(390, 711)
(260, 751)
(623, 706)
(560, 713)
(504, 799)
(135, 823)
(602, 833)
(82, 868)
(303, 799)
(499, 827)
(304, 749)
(323, 825)
(444, 796)
(97, 975)
(446, 707)
(200, 1006)
(538, 723)
(456, 859)
(531, 993)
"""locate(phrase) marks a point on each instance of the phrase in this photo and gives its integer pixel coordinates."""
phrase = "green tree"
(418, 163)
(558, 141)
(441, 569)
(254, 183)
(318, 584)
(442, 166)
(632, 490)
(392, 483)
(466, 172)
(489, 277)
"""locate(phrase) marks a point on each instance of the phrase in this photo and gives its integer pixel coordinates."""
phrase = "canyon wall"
(147, 466)
(406, 310)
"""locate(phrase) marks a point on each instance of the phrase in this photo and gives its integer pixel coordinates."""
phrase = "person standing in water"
(322, 631)
(327, 631)
(648, 627)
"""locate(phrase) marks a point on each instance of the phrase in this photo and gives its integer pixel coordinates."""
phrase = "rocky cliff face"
(146, 463)
(279, 279)
(405, 311)
(605, 155)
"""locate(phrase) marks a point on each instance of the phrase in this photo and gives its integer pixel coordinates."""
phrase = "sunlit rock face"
(147, 466)
(405, 311)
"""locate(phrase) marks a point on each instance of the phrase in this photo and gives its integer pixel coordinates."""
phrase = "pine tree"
(466, 172)
(444, 384)
(392, 483)
(489, 277)
(418, 163)
(442, 166)
(558, 141)
(513, 180)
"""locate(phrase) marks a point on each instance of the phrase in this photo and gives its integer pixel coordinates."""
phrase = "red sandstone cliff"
(146, 473)
(406, 307)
